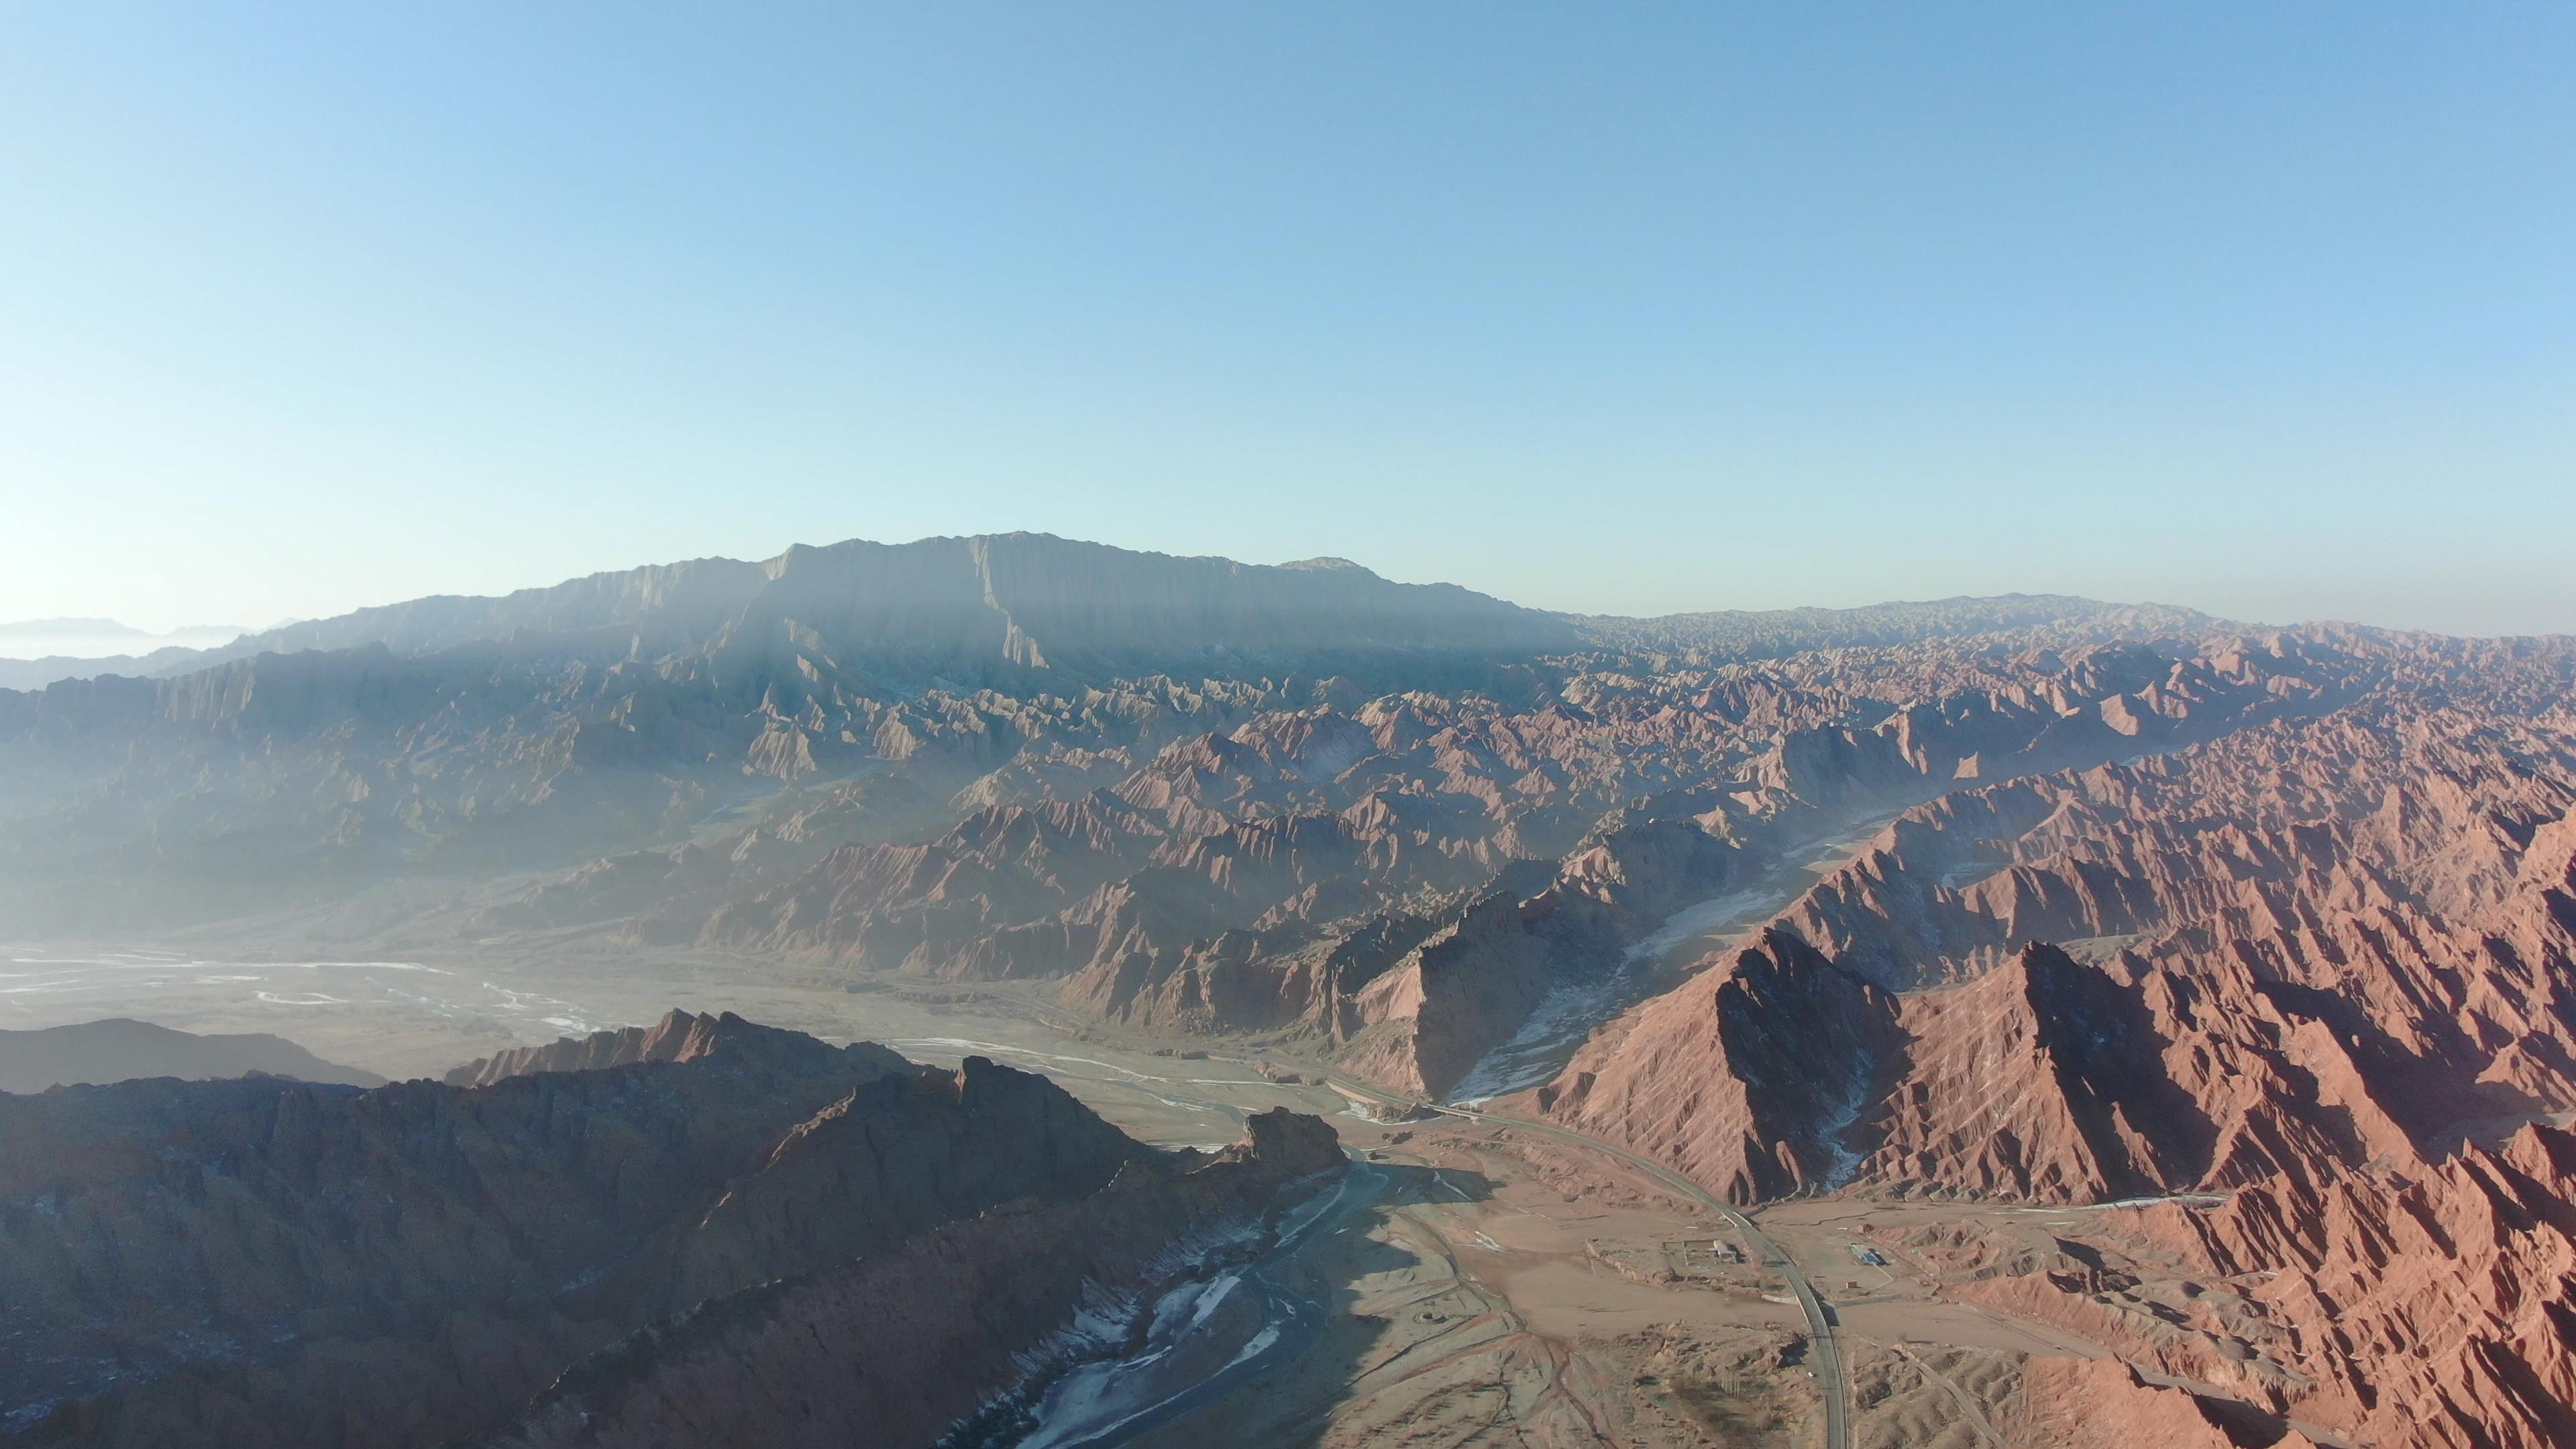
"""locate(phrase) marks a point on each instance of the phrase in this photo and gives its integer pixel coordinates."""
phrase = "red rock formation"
(2321, 946)
(2436, 1309)
(1750, 1077)
(2299, 966)
(2104, 1403)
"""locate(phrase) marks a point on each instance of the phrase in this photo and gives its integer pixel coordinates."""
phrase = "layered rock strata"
(2302, 949)
(2306, 992)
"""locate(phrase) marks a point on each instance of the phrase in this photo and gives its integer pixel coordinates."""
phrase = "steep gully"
(1543, 1046)
(1687, 938)
(2293, 971)
(1557, 1029)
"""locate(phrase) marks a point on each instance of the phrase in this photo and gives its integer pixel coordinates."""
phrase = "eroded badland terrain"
(2018, 1021)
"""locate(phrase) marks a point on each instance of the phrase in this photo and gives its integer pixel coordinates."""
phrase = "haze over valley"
(1906, 927)
(1412, 727)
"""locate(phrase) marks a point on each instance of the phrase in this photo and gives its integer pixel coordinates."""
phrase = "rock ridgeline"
(870, 695)
(2306, 948)
(679, 1036)
(261, 1262)
(984, 603)
(2293, 986)
(1405, 880)
(2431, 1308)
(2056, 619)
(895, 1349)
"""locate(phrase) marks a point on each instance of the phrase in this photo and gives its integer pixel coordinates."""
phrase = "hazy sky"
(2268, 309)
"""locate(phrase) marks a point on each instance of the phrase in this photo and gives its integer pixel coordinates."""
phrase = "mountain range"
(2028, 900)
(99, 1052)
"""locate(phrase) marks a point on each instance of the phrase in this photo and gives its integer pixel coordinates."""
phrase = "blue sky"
(2266, 309)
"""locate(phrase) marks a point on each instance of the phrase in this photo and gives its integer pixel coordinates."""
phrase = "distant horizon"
(9, 649)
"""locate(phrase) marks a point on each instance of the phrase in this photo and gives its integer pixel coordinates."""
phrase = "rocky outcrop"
(895, 1349)
(117, 1050)
(2042, 1080)
(1752, 1078)
(2421, 1309)
(2103, 1402)
(1429, 1017)
(2435, 1311)
(260, 1262)
(2291, 988)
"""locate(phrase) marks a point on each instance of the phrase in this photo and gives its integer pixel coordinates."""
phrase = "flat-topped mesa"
(679, 1036)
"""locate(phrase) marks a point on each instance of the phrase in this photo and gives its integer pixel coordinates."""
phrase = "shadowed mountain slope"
(266, 1263)
(99, 1052)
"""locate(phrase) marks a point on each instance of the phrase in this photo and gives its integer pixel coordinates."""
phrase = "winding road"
(1826, 1350)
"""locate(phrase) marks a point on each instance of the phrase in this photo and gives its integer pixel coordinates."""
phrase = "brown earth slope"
(2316, 968)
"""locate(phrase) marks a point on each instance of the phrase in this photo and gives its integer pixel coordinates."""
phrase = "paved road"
(1822, 1346)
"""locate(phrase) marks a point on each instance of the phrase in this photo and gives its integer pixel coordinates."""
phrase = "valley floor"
(1496, 1286)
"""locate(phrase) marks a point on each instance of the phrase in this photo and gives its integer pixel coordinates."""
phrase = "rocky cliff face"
(2424, 1308)
(2311, 968)
(894, 1349)
(2307, 947)
(269, 1263)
